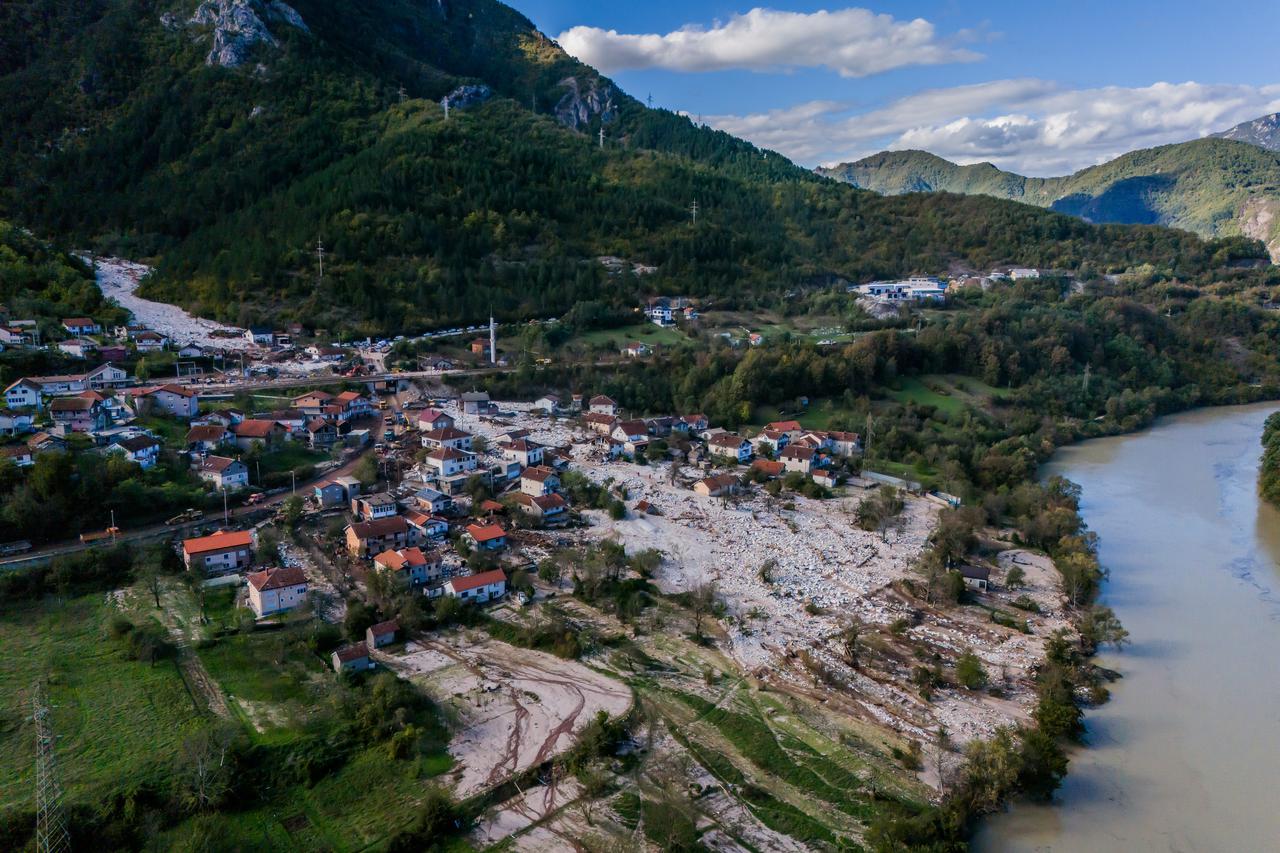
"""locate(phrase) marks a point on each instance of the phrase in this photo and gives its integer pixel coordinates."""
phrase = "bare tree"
(702, 602)
(204, 767)
(849, 636)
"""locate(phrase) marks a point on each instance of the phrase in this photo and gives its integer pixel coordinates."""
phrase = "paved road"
(156, 531)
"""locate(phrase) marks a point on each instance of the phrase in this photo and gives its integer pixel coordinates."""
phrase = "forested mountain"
(1213, 187)
(222, 139)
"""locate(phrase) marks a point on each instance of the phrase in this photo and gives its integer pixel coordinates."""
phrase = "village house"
(636, 349)
(381, 634)
(353, 658)
(546, 508)
(447, 437)
(276, 590)
(410, 566)
(224, 472)
(771, 441)
(23, 394)
(20, 455)
(731, 446)
(486, 586)
(353, 404)
(78, 414)
(635, 431)
(81, 326)
(329, 494)
(599, 423)
(798, 458)
(78, 347)
(826, 477)
(769, 469)
(16, 337)
(190, 351)
(547, 403)
(539, 480)
(263, 433)
(312, 403)
(791, 428)
(447, 462)
(224, 551)
(374, 506)
(845, 443)
(366, 538)
(602, 405)
(113, 353)
(430, 420)
(475, 402)
(491, 537)
(171, 399)
(150, 341)
(263, 335)
(432, 501)
(321, 434)
(222, 417)
(102, 376)
(326, 353)
(142, 449)
(207, 438)
(524, 451)
(717, 486)
(427, 526)
(15, 423)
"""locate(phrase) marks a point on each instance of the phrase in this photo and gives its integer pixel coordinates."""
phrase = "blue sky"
(1040, 87)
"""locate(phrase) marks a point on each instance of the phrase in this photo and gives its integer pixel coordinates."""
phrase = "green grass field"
(118, 721)
(288, 457)
(269, 676)
(644, 332)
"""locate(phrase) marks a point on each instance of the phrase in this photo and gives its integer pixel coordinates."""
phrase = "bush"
(969, 671)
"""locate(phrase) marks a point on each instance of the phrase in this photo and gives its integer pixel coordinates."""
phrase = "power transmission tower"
(693, 208)
(1086, 379)
(446, 108)
(650, 100)
(320, 258)
(601, 137)
(402, 93)
(51, 831)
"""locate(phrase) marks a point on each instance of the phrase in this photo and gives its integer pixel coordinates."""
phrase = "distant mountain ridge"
(1214, 187)
(1263, 132)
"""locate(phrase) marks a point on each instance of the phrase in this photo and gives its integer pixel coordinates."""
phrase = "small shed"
(382, 634)
(976, 577)
(353, 658)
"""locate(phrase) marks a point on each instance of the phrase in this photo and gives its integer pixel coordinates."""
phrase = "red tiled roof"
(380, 527)
(445, 434)
(538, 474)
(797, 452)
(347, 654)
(388, 627)
(476, 581)
(773, 469)
(276, 578)
(784, 426)
(217, 464)
(206, 432)
(223, 540)
(486, 532)
(254, 428)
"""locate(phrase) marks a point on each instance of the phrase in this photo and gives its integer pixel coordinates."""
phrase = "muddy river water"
(1186, 756)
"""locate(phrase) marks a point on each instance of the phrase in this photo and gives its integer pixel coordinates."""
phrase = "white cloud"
(853, 42)
(1031, 126)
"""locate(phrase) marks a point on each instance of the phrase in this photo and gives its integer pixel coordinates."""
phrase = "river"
(1186, 755)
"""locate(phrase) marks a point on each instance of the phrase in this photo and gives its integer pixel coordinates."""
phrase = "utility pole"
(226, 513)
(866, 445)
(320, 258)
(294, 475)
(493, 341)
(445, 102)
(1086, 379)
(51, 831)
(693, 208)
(401, 93)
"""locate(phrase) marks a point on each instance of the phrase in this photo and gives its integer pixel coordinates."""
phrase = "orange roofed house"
(224, 551)
(277, 590)
(488, 536)
(485, 586)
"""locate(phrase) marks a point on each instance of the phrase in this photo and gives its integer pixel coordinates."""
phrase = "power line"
(51, 831)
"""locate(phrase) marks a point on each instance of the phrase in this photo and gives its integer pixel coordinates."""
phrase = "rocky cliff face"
(1263, 132)
(580, 104)
(238, 27)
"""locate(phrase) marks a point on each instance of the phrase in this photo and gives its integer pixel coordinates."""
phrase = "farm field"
(118, 721)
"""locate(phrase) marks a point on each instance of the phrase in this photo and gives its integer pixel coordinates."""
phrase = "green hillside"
(1213, 187)
(146, 130)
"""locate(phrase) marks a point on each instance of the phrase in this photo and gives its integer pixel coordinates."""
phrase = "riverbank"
(1173, 761)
